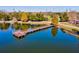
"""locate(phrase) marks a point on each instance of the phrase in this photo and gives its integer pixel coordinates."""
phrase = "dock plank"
(21, 33)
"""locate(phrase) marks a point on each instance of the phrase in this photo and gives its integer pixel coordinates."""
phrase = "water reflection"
(62, 30)
(25, 27)
(71, 32)
(4, 26)
(54, 31)
(16, 26)
(19, 26)
(20, 38)
(22, 27)
(36, 26)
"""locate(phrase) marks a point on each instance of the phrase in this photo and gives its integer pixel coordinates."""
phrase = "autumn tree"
(1, 16)
(24, 17)
(55, 20)
(54, 31)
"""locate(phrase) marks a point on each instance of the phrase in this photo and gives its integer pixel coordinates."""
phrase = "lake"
(48, 40)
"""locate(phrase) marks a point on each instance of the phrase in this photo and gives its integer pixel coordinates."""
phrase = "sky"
(39, 8)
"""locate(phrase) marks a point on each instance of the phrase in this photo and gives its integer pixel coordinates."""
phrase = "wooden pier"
(21, 33)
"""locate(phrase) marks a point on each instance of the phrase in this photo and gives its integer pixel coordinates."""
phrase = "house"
(72, 17)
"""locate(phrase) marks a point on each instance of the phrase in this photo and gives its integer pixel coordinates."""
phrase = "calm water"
(47, 40)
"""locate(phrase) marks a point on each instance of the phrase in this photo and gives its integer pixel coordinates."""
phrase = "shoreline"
(19, 34)
(68, 26)
(29, 22)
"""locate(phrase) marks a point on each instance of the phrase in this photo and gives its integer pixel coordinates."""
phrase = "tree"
(7, 17)
(64, 16)
(40, 17)
(55, 20)
(17, 15)
(32, 17)
(49, 18)
(24, 17)
(1, 16)
(37, 17)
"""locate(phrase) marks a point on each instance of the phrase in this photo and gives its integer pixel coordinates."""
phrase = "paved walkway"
(68, 26)
(29, 22)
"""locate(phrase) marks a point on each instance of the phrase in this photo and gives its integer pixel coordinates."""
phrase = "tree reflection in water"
(22, 27)
(16, 26)
(20, 38)
(71, 32)
(62, 30)
(54, 31)
(4, 26)
(19, 26)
